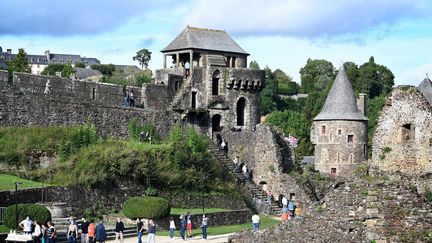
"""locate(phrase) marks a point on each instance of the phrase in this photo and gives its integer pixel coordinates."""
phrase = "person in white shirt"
(37, 234)
(255, 221)
(284, 202)
(245, 172)
(26, 225)
(187, 67)
(236, 163)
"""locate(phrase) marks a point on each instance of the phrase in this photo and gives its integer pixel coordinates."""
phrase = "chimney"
(362, 103)
(48, 55)
(9, 51)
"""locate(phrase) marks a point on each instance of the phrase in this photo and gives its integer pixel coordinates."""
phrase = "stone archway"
(215, 82)
(216, 119)
(241, 107)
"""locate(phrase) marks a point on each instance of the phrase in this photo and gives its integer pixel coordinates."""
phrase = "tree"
(374, 79)
(254, 65)
(316, 74)
(20, 63)
(67, 70)
(105, 69)
(79, 65)
(143, 57)
(268, 97)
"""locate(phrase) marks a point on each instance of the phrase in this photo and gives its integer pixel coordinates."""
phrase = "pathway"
(165, 239)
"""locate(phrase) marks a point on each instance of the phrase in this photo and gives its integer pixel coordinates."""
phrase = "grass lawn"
(197, 210)
(266, 221)
(7, 182)
(4, 229)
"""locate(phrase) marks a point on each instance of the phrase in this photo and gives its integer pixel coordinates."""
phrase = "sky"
(277, 33)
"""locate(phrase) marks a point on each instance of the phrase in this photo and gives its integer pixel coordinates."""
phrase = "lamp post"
(16, 202)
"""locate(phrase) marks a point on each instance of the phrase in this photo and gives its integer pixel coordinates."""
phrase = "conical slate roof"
(204, 39)
(341, 103)
(425, 88)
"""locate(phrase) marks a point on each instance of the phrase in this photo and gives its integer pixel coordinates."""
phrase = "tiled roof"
(425, 88)
(83, 73)
(204, 39)
(54, 58)
(341, 103)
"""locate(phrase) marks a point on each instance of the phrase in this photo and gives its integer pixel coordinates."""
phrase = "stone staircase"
(184, 89)
(258, 196)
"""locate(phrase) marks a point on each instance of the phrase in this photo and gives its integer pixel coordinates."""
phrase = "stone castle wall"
(23, 103)
(333, 147)
(403, 136)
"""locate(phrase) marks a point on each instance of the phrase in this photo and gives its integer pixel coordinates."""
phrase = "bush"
(146, 207)
(36, 212)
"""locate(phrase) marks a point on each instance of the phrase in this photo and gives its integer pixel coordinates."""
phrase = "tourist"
(151, 232)
(204, 227)
(131, 99)
(171, 227)
(141, 136)
(37, 234)
(26, 225)
(119, 230)
(72, 232)
(284, 202)
(187, 67)
(139, 228)
(47, 90)
(51, 233)
(101, 235)
(84, 230)
(91, 232)
(297, 210)
(218, 140)
(236, 164)
(189, 224)
(285, 214)
(44, 233)
(291, 208)
(223, 144)
(182, 226)
(245, 172)
(255, 221)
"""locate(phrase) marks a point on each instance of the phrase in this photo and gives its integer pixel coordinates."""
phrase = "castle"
(339, 131)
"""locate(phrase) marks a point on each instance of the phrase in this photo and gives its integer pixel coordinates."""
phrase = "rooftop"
(54, 58)
(204, 39)
(341, 103)
(425, 88)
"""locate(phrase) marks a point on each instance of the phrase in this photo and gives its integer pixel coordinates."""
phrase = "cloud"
(69, 17)
(415, 75)
(146, 42)
(306, 19)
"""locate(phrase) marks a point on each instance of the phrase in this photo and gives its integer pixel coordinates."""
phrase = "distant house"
(3, 65)
(39, 62)
(87, 74)
(128, 70)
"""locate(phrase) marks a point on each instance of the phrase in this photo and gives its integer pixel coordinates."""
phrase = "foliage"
(20, 63)
(254, 65)
(128, 77)
(36, 212)
(79, 65)
(374, 79)
(7, 182)
(17, 142)
(146, 207)
(143, 77)
(83, 136)
(374, 107)
(105, 69)
(65, 69)
(315, 75)
(143, 56)
(268, 97)
(135, 127)
(290, 88)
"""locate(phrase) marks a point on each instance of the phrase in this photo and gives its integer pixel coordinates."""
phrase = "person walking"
(204, 226)
(44, 233)
(245, 172)
(183, 226)
(291, 208)
(72, 232)
(131, 99)
(255, 222)
(171, 227)
(37, 234)
(51, 233)
(119, 230)
(26, 225)
(151, 232)
(84, 230)
(236, 164)
(101, 235)
(91, 232)
(187, 67)
(284, 214)
(189, 224)
(139, 228)
(284, 202)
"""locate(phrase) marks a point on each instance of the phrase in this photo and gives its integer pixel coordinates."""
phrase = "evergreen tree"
(20, 63)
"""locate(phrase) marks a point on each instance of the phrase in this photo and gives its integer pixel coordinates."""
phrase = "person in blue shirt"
(183, 226)
(291, 207)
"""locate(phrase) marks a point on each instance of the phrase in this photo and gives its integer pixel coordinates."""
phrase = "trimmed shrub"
(146, 207)
(37, 212)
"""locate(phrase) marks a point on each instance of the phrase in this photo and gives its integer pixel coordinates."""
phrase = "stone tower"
(339, 132)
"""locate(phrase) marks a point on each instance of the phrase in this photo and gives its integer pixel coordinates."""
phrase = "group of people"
(185, 228)
(129, 98)
(241, 168)
(288, 210)
(47, 233)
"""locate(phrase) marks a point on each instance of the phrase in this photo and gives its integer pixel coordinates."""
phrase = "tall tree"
(375, 79)
(143, 57)
(316, 74)
(20, 63)
(254, 65)
(352, 72)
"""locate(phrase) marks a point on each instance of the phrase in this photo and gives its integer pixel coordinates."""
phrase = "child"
(171, 227)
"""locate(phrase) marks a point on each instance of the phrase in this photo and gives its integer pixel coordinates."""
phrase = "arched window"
(216, 119)
(215, 82)
(241, 106)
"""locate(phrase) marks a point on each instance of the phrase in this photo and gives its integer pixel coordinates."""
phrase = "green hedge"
(36, 212)
(146, 207)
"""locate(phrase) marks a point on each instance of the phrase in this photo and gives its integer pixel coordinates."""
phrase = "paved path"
(166, 239)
